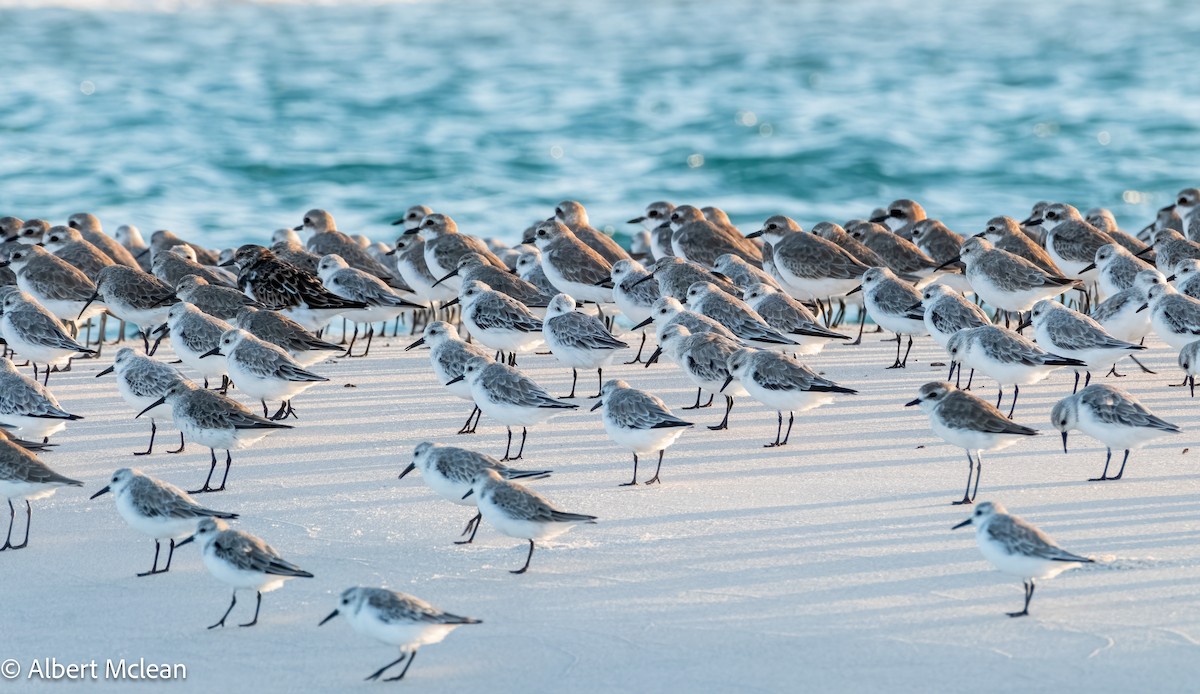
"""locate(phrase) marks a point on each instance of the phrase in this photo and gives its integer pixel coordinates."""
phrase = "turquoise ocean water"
(227, 120)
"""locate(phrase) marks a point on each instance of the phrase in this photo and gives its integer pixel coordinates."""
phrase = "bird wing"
(639, 410)
(1021, 538)
(501, 311)
(579, 330)
(1112, 408)
(511, 386)
(960, 410)
(248, 553)
(393, 607)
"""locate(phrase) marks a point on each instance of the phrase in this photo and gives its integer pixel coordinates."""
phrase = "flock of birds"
(735, 312)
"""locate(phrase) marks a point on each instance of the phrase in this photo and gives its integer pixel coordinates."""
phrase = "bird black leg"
(411, 658)
(638, 358)
(724, 422)
(264, 404)
(153, 569)
(574, 378)
(467, 428)
(778, 431)
(999, 396)
(207, 480)
(225, 383)
(1122, 470)
(967, 494)
(788, 435)
(1076, 388)
(375, 675)
(529, 556)
(181, 445)
(1113, 372)
(599, 383)
(170, 555)
(1016, 393)
(709, 403)
(472, 527)
(153, 430)
(862, 322)
(231, 604)
(634, 480)
(521, 450)
(1029, 586)
(370, 335)
(350, 347)
(970, 379)
(12, 519)
(655, 480)
(508, 446)
(697, 405)
(257, 605)
(1104, 475)
(228, 463)
(1140, 364)
(898, 364)
(978, 473)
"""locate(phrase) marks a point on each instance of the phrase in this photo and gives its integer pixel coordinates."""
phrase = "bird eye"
(896, 213)
(652, 213)
(1182, 201)
(1051, 215)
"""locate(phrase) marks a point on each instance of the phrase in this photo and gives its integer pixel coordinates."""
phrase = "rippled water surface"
(231, 119)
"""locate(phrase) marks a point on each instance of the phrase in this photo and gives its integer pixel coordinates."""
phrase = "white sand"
(825, 565)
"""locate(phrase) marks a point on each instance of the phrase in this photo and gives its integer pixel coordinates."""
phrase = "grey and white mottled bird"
(900, 217)
(25, 478)
(889, 301)
(971, 423)
(283, 332)
(382, 302)
(1071, 334)
(1116, 267)
(263, 371)
(575, 216)
(810, 266)
(578, 340)
(1004, 356)
(1007, 281)
(55, 284)
(571, 265)
(499, 321)
(1006, 234)
(1070, 240)
(28, 407)
(449, 354)
(36, 334)
(640, 422)
(141, 381)
(634, 291)
(704, 358)
(216, 300)
(708, 299)
(790, 317)
(1113, 417)
(193, 334)
(696, 239)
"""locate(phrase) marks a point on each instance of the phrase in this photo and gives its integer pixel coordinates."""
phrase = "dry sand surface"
(827, 565)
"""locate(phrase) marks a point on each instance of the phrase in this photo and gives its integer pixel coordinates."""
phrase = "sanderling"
(1071, 241)
(575, 216)
(634, 290)
(353, 284)
(284, 287)
(1005, 356)
(263, 371)
(1007, 281)
(241, 560)
(571, 265)
(193, 334)
(901, 255)
(473, 268)
(704, 358)
(676, 275)
(170, 267)
(782, 383)
(517, 511)
(900, 217)
(497, 320)
(1105, 221)
(1017, 547)
(964, 420)
(1116, 268)
(936, 240)
(945, 312)
(53, 283)
(1187, 205)
(529, 268)
(91, 231)
(888, 300)
(396, 619)
(639, 421)
(657, 214)
(217, 301)
(510, 397)
(810, 264)
(1174, 316)
(135, 297)
(412, 217)
(69, 245)
(1172, 248)
(449, 353)
(578, 340)
(409, 257)
(741, 273)
(790, 317)
(213, 420)
(698, 240)
(28, 406)
(667, 311)
(834, 233)
(450, 471)
(326, 240)
(444, 245)
(708, 299)
(286, 245)
(1072, 334)
(158, 509)
(142, 380)
(1113, 417)
(285, 333)
(35, 333)
(1187, 278)
(32, 231)
(1006, 234)
(24, 477)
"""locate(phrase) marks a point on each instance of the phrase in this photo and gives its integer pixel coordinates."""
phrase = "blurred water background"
(225, 120)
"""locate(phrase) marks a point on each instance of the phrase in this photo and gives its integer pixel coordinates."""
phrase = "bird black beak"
(598, 405)
(102, 492)
(1169, 279)
(1141, 308)
(915, 306)
(153, 405)
(1064, 442)
(980, 235)
(962, 524)
(214, 352)
(952, 261)
(298, 228)
(420, 341)
(105, 372)
(335, 612)
(398, 222)
(410, 232)
(450, 303)
(1024, 324)
(391, 252)
(227, 263)
(448, 275)
(755, 234)
(878, 219)
(654, 357)
(410, 468)
(911, 403)
(454, 380)
(93, 297)
(728, 380)
(1144, 251)
(184, 541)
(1089, 266)
(953, 365)
(644, 323)
(1032, 222)
(469, 493)
(855, 290)
(644, 279)
(637, 220)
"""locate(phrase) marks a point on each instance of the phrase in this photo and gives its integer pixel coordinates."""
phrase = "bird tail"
(561, 517)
